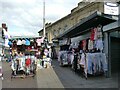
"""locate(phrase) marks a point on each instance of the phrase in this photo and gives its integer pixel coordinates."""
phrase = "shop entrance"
(115, 52)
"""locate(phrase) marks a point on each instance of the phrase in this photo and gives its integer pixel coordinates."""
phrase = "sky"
(25, 17)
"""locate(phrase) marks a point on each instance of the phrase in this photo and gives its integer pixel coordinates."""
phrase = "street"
(55, 78)
(71, 80)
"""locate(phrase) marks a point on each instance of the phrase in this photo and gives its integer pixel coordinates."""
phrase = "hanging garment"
(6, 34)
(95, 35)
(89, 63)
(104, 62)
(90, 45)
(28, 62)
(23, 42)
(59, 55)
(35, 44)
(92, 34)
(29, 48)
(68, 41)
(96, 63)
(71, 58)
(99, 32)
(27, 42)
(6, 42)
(22, 63)
(10, 43)
(50, 51)
(19, 42)
(23, 48)
(80, 45)
(99, 44)
(87, 41)
(13, 65)
(31, 42)
(39, 41)
(84, 44)
(14, 46)
(82, 60)
(46, 52)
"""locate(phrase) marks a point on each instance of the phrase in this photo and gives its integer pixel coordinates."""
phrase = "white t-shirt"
(23, 42)
(19, 42)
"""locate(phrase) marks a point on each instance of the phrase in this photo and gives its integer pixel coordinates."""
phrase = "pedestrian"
(41, 56)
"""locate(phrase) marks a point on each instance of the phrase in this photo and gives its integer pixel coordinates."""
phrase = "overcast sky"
(25, 17)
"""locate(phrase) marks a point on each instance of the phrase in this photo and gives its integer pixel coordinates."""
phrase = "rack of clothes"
(89, 57)
(23, 66)
(65, 57)
(93, 63)
(22, 44)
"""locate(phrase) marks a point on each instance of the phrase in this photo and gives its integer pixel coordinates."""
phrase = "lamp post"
(44, 19)
(44, 31)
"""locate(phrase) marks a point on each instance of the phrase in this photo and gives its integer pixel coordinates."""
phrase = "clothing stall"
(23, 56)
(65, 56)
(89, 58)
(23, 66)
(28, 55)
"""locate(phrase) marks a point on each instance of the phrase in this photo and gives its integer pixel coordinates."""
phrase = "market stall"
(26, 55)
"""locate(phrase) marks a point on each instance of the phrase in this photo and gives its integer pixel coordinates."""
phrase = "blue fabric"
(104, 62)
(27, 42)
(10, 43)
(90, 71)
(96, 63)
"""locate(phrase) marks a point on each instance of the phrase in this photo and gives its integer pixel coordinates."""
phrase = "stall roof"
(112, 26)
(21, 37)
(93, 20)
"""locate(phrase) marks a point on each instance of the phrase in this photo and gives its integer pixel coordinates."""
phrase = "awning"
(113, 26)
(93, 20)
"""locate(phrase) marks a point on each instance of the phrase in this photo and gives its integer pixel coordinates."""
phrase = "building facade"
(81, 20)
(83, 10)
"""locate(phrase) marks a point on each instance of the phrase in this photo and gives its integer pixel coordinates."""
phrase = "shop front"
(88, 40)
(112, 34)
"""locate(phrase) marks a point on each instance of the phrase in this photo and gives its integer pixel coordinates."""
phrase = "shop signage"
(111, 8)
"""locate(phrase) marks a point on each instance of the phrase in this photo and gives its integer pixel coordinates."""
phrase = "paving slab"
(47, 78)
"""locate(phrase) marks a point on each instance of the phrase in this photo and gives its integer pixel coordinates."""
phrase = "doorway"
(115, 53)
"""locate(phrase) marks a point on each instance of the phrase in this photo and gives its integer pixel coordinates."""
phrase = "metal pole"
(44, 19)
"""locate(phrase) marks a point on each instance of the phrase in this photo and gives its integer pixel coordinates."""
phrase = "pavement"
(47, 78)
(28, 82)
(57, 77)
